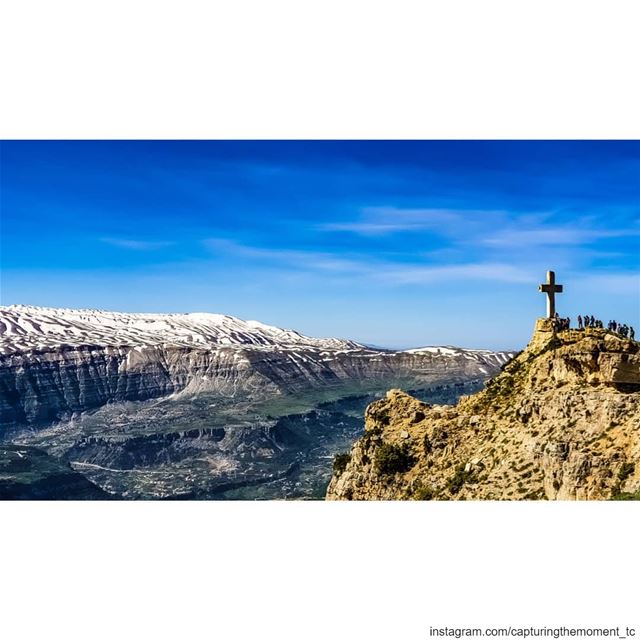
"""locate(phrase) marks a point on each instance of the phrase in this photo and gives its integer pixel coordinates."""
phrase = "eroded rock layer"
(55, 363)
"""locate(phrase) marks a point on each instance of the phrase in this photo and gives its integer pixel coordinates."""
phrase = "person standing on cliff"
(579, 322)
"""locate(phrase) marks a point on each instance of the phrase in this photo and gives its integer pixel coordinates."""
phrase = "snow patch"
(27, 328)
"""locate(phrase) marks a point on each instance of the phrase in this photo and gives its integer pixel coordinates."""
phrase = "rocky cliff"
(560, 422)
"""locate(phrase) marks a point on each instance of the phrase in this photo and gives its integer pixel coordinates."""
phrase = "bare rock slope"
(561, 422)
(55, 363)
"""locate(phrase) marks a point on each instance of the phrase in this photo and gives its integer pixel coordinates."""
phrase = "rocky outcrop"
(561, 422)
(149, 450)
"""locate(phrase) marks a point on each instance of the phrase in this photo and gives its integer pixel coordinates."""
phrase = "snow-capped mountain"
(55, 363)
(24, 328)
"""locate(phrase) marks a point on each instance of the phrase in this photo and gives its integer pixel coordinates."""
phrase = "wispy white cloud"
(300, 259)
(374, 221)
(485, 230)
(136, 245)
(497, 272)
(559, 235)
(377, 270)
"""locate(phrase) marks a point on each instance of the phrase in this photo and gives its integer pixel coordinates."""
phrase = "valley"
(200, 448)
(203, 406)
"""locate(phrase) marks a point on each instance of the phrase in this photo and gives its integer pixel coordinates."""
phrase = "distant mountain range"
(27, 328)
(56, 362)
(113, 392)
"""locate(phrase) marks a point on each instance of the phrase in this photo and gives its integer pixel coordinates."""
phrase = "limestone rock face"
(56, 363)
(561, 422)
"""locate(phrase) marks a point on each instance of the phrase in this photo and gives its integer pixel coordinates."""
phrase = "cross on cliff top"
(551, 288)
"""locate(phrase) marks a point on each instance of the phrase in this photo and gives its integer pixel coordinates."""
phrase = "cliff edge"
(560, 422)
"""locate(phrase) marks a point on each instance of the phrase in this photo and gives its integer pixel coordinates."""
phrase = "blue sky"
(398, 244)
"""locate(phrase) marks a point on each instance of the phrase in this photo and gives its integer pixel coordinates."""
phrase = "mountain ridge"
(31, 322)
(57, 363)
(24, 326)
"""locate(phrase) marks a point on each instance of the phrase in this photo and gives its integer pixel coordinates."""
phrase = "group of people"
(586, 322)
(590, 321)
(623, 330)
(560, 324)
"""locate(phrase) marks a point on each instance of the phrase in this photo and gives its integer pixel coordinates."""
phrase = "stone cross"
(551, 288)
